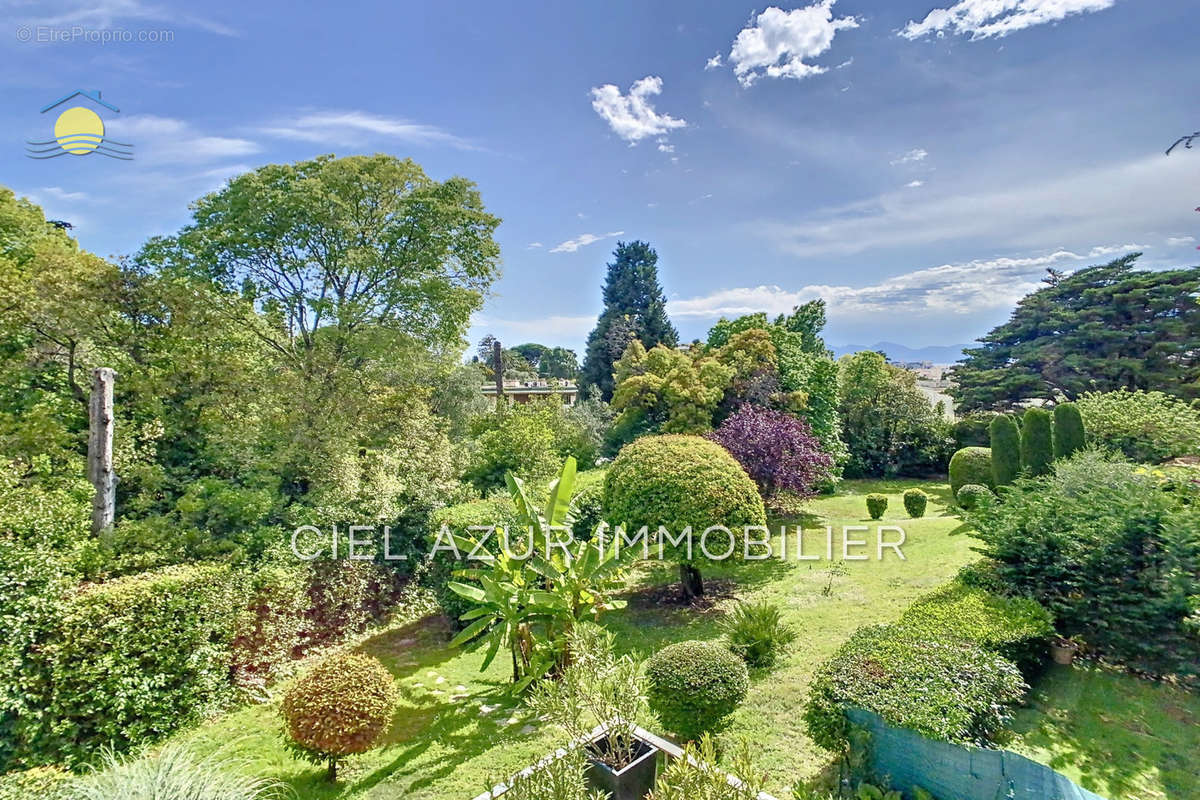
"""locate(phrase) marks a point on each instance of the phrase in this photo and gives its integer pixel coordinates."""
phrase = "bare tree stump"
(100, 450)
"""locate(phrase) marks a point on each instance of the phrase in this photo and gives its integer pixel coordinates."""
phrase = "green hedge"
(943, 688)
(1037, 441)
(971, 465)
(140, 657)
(1069, 434)
(1017, 628)
(268, 634)
(1006, 450)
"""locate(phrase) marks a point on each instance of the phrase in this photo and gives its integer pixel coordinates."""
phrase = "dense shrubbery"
(943, 688)
(1017, 628)
(915, 502)
(679, 482)
(757, 633)
(269, 633)
(694, 686)
(971, 465)
(340, 708)
(777, 450)
(1111, 554)
(972, 429)
(1148, 427)
(587, 506)
(459, 519)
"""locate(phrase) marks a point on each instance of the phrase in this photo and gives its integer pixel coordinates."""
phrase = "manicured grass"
(1113, 733)
(443, 746)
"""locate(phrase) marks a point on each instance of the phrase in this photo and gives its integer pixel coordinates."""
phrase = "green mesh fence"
(954, 772)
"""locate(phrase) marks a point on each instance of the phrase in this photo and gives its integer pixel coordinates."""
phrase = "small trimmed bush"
(915, 502)
(1006, 450)
(1017, 628)
(970, 465)
(694, 686)
(876, 505)
(947, 689)
(681, 481)
(757, 633)
(342, 707)
(972, 496)
(1069, 435)
(1037, 441)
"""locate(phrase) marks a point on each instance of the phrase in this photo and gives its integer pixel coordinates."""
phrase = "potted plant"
(1063, 650)
(597, 699)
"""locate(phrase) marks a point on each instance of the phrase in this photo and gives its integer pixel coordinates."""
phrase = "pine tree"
(1006, 449)
(634, 307)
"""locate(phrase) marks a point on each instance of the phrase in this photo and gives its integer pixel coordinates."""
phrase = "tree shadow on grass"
(1128, 737)
(418, 645)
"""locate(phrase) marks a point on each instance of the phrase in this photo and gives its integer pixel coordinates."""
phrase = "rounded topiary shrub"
(694, 686)
(915, 502)
(677, 482)
(973, 495)
(971, 465)
(876, 505)
(342, 707)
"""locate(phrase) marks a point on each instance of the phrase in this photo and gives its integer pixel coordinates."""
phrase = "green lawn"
(458, 728)
(1120, 736)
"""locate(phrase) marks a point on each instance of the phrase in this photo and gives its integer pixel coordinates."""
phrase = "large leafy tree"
(634, 307)
(1099, 329)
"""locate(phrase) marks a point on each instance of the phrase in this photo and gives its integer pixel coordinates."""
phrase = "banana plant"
(530, 604)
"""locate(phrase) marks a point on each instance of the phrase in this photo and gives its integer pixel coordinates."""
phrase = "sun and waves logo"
(79, 131)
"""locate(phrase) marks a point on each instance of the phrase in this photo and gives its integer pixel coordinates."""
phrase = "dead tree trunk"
(100, 450)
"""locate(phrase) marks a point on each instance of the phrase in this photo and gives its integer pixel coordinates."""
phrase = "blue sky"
(918, 163)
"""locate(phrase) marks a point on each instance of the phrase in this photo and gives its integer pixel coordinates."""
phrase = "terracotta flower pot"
(1063, 652)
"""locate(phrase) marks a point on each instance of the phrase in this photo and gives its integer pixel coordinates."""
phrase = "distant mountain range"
(938, 354)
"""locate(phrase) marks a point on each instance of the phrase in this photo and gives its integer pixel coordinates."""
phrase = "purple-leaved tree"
(777, 450)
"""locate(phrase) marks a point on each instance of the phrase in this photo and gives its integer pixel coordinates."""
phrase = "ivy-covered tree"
(634, 307)
(1099, 329)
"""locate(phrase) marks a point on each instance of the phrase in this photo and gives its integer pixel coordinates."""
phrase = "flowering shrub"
(777, 450)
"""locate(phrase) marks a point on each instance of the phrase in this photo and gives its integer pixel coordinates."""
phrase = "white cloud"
(983, 19)
(533, 245)
(713, 62)
(62, 195)
(632, 116)
(1131, 200)
(1176, 241)
(663, 147)
(163, 140)
(914, 184)
(846, 63)
(354, 127)
(583, 240)
(911, 157)
(777, 42)
(108, 14)
(966, 288)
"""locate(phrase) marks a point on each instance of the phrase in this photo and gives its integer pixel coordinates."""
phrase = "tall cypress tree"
(634, 307)
(1037, 442)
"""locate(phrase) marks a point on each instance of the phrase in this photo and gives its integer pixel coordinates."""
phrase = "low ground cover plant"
(694, 686)
(340, 708)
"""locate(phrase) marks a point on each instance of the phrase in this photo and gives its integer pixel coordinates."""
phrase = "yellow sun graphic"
(79, 130)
